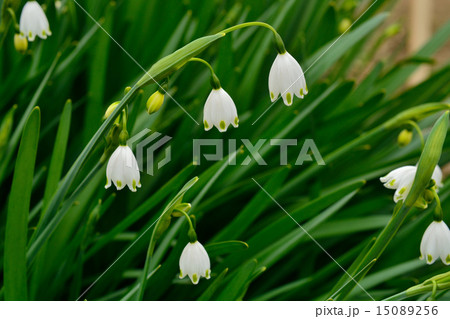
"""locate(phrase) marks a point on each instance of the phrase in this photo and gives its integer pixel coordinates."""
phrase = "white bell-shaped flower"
(219, 111)
(436, 243)
(402, 178)
(123, 169)
(194, 262)
(33, 21)
(286, 77)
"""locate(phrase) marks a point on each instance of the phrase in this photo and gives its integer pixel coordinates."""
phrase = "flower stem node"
(33, 21)
(154, 102)
(220, 111)
(194, 262)
(404, 138)
(286, 77)
(402, 178)
(436, 243)
(110, 109)
(122, 169)
(20, 43)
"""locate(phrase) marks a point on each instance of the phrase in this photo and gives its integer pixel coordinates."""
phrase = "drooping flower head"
(194, 262)
(286, 78)
(219, 111)
(33, 21)
(122, 169)
(436, 243)
(402, 178)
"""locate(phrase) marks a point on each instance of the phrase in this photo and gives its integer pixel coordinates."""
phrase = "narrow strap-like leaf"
(15, 264)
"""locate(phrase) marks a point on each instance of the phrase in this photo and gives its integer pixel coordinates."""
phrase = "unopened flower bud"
(392, 30)
(20, 43)
(110, 109)
(344, 25)
(155, 102)
(404, 138)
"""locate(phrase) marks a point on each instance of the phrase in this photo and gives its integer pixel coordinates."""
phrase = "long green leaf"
(58, 155)
(235, 289)
(15, 264)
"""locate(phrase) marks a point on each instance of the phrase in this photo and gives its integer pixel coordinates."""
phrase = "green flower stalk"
(436, 283)
(425, 168)
(428, 159)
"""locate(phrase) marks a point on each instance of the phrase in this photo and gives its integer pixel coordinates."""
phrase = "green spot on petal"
(289, 98)
(119, 184)
(222, 125)
(43, 33)
(447, 260)
(272, 95)
(429, 258)
(207, 273)
(134, 184)
(30, 35)
(206, 125)
(236, 121)
(402, 190)
(301, 91)
(391, 183)
(195, 278)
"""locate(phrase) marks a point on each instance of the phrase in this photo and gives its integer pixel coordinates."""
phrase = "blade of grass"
(15, 264)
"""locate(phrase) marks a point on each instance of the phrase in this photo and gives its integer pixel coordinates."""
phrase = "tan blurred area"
(418, 21)
(425, 18)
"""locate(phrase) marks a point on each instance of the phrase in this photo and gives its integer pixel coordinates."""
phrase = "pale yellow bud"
(393, 30)
(110, 109)
(154, 102)
(344, 25)
(20, 43)
(404, 138)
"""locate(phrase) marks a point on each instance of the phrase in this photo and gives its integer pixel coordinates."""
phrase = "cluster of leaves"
(98, 239)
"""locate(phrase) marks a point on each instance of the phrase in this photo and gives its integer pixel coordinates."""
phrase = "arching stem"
(278, 41)
(214, 79)
(418, 130)
(192, 234)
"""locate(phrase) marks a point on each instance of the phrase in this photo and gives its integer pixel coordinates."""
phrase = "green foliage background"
(343, 205)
